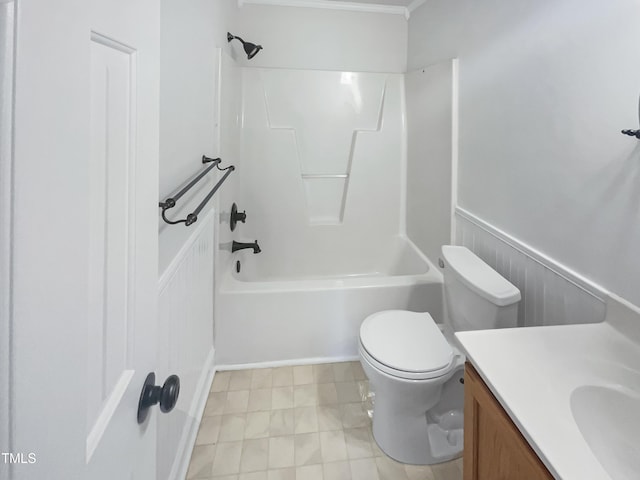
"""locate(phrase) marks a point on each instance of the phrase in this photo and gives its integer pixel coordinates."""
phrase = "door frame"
(7, 62)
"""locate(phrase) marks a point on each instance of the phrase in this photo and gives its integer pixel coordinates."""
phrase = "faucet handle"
(236, 217)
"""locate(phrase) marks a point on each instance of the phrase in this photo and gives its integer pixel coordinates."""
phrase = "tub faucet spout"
(235, 246)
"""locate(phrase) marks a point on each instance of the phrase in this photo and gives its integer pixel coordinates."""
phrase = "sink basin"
(609, 419)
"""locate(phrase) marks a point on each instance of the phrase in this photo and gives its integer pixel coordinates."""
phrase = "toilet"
(415, 368)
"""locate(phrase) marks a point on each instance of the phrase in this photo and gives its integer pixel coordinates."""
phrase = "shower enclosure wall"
(322, 178)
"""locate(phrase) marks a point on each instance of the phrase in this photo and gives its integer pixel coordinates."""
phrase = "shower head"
(251, 49)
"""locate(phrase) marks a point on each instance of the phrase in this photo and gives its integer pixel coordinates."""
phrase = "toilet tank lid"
(480, 277)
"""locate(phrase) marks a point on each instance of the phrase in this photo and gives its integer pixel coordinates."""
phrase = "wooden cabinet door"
(494, 448)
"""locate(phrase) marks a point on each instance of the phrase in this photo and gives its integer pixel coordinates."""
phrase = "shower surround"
(323, 182)
(322, 166)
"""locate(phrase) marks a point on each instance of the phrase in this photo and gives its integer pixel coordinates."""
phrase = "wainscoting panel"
(186, 344)
(551, 293)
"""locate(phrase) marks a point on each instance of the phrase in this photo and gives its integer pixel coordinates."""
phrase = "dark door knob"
(236, 217)
(166, 395)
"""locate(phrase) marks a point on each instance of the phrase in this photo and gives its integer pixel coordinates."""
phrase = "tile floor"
(296, 423)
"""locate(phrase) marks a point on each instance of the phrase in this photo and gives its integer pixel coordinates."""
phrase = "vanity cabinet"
(494, 448)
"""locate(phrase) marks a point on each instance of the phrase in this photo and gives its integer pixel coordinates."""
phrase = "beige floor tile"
(303, 375)
(237, 402)
(259, 400)
(342, 372)
(281, 397)
(296, 423)
(310, 472)
(240, 380)
(389, 469)
(446, 471)
(232, 427)
(281, 452)
(460, 464)
(307, 449)
(305, 420)
(419, 472)
(201, 464)
(337, 471)
(329, 418)
(333, 446)
(209, 430)
(215, 404)
(227, 459)
(348, 392)
(282, 474)
(305, 395)
(282, 377)
(221, 382)
(261, 378)
(358, 372)
(358, 443)
(252, 476)
(354, 415)
(377, 451)
(327, 394)
(364, 469)
(255, 455)
(281, 422)
(323, 373)
(257, 425)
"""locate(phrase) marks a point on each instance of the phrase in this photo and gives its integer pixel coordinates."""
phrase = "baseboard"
(188, 440)
(288, 363)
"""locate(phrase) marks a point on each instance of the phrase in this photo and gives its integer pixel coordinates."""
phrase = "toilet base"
(417, 439)
(418, 422)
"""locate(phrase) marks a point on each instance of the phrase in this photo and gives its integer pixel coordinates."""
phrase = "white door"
(84, 263)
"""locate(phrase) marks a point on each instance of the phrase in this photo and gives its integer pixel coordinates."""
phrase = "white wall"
(193, 37)
(191, 32)
(545, 88)
(430, 155)
(309, 38)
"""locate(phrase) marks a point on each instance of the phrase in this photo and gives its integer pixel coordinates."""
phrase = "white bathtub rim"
(230, 284)
(432, 275)
(288, 363)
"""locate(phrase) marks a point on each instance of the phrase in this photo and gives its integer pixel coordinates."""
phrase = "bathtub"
(282, 317)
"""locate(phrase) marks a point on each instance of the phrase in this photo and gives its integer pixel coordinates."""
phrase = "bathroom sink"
(609, 419)
(580, 408)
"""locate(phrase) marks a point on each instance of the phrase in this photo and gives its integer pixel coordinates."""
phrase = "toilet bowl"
(415, 368)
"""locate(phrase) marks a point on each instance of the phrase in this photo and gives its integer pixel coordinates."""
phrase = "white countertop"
(533, 371)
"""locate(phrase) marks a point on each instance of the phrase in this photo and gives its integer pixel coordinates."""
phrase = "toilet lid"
(405, 341)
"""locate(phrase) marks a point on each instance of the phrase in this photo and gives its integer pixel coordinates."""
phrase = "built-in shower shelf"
(326, 196)
(323, 175)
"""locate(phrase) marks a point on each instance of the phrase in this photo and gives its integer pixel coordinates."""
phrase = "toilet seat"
(406, 344)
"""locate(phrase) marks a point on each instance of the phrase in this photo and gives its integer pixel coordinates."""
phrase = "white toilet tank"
(476, 296)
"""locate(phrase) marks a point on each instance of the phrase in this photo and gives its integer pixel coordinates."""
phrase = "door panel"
(85, 262)
(110, 320)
